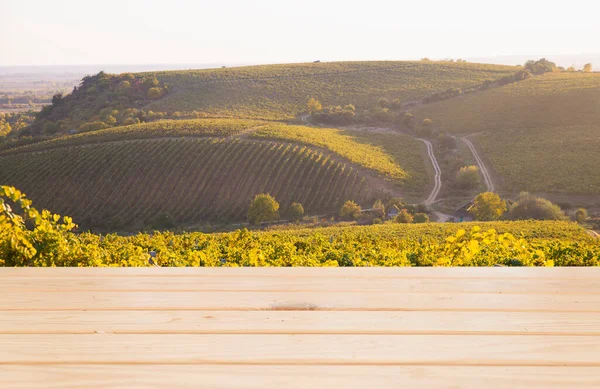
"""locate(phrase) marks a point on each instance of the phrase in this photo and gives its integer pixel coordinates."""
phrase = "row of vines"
(189, 180)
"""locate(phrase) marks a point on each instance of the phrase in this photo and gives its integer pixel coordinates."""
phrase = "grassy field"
(562, 159)
(130, 183)
(540, 135)
(281, 91)
(547, 101)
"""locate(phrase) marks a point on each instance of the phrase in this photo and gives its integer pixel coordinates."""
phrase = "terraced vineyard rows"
(191, 180)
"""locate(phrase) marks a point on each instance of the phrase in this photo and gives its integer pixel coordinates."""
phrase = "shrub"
(421, 218)
(296, 211)
(587, 67)
(377, 221)
(404, 217)
(93, 126)
(350, 210)
(468, 177)
(536, 208)
(379, 209)
(262, 209)
(314, 106)
(488, 206)
(154, 93)
(581, 215)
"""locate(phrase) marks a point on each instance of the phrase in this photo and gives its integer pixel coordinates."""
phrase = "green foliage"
(262, 209)
(296, 211)
(468, 177)
(488, 206)
(581, 215)
(404, 217)
(541, 66)
(536, 208)
(49, 242)
(421, 218)
(29, 237)
(95, 94)
(350, 210)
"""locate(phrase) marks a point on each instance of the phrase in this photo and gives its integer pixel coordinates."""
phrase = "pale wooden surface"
(496, 328)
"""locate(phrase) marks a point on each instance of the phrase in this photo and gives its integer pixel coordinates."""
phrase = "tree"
(571, 69)
(314, 106)
(379, 209)
(404, 217)
(468, 177)
(350, 210)
(383, 103)
(408, 120)
(262, 209)
(421, 218)
(581, 215)
(540, 67)
(296, 211)
(529, 206)
(488, 206)
(587, 67)
(154, 93)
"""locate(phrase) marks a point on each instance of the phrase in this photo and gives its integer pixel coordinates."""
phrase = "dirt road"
(438, 173)
(484, 172)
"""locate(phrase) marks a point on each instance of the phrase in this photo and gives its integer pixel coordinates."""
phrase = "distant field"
(550, 100)
(558, 159)
(541, 134)
(281, 91)
(191, 180)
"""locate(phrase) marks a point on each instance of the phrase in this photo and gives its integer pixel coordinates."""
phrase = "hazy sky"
(57, 32)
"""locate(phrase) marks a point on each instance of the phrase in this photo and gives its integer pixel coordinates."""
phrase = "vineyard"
(347, 145)
(187, 180)
(161, 129)
(541, 134)
(281, 91)
(559, 159)
(550, 100)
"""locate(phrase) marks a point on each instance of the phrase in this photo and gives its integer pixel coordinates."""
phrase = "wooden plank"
(379, 272)
(299, 322)
(295, 377)
(228, 283)
(19, 300)
(482, 350)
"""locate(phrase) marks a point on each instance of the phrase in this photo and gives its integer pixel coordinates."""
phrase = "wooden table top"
(257, 328)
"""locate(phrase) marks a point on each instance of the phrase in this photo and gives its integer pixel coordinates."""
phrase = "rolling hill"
(540, 135)
(205, 170)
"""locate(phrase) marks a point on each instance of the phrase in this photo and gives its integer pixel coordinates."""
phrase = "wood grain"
(314, 284)
(295, 377)
(158, 300)
(299, 322)
(501, 350)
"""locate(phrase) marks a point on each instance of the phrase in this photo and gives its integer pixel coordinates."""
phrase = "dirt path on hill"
(484, 172)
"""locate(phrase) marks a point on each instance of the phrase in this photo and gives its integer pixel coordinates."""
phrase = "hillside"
(281, 91)
(268, 91)
(206, 170)
(126, 183)
(540, 135)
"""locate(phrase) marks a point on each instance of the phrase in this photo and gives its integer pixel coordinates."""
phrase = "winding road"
(486, 175)
(438, 173)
